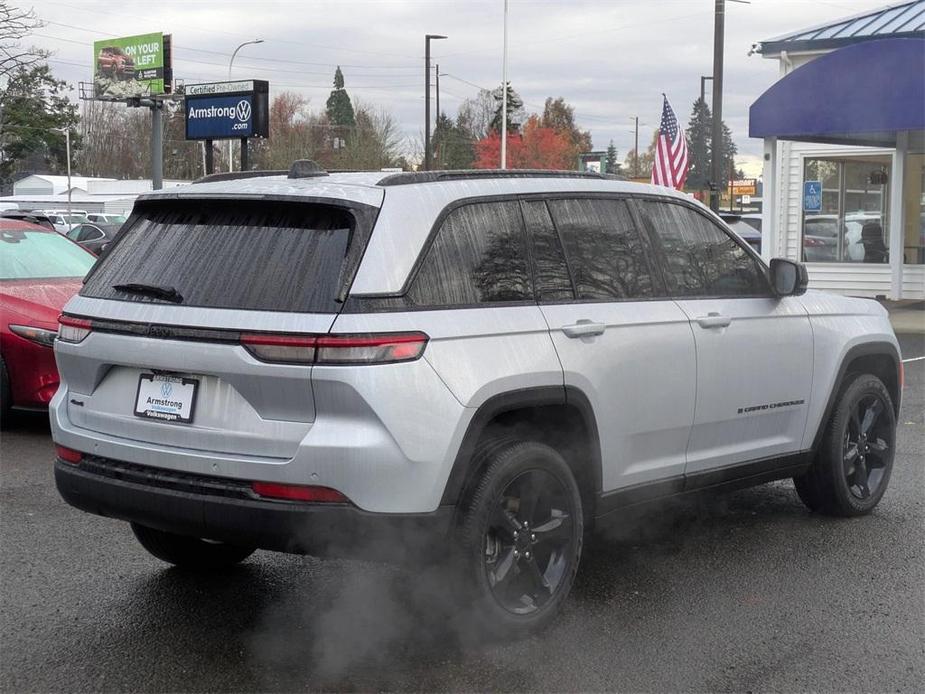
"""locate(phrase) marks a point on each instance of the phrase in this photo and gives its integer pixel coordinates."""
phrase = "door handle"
(583, 328)
(714, 320)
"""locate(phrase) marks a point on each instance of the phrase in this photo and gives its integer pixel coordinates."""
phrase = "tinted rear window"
(231, 254)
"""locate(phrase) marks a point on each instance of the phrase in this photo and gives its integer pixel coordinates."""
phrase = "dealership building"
(844, 152)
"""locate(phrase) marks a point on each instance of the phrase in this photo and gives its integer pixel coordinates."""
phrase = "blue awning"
(861, 94)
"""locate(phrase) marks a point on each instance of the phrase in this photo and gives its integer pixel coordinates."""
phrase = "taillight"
(72, 329)
(291, 349)
(39, 336)
(68, 455)
(370, 349)
(386, 348)
(298, 492)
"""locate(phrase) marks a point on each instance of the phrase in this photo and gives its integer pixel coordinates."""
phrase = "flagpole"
(504, 95)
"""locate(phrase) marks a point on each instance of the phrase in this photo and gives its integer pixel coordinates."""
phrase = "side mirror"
(788, 278)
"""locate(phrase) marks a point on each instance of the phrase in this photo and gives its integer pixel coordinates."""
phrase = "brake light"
(298, 492)
(73, 329)
(386, 348)
(68, 455)
(294, 349)
(370, 349)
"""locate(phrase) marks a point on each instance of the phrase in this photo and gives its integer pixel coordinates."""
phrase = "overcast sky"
(610, 59)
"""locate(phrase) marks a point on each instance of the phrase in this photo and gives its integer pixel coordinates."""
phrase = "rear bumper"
(225, 510)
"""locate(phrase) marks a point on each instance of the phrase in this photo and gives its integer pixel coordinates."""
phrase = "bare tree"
(474, 116)
(15, 25)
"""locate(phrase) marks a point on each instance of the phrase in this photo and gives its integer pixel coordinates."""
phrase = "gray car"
(472, 366)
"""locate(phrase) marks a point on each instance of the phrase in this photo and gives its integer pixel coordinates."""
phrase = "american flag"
(670, 166)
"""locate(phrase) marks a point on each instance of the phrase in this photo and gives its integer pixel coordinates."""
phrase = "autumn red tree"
(536, 148)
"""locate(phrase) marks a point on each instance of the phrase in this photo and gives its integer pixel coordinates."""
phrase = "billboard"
(225, 110)
(132, 66)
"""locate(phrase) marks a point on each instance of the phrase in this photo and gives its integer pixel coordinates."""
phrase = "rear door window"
(698, 257)
(477, 257)
(604, 249)
(551, 275)
(261, 255)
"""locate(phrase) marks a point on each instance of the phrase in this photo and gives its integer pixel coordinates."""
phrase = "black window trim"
(385, 302)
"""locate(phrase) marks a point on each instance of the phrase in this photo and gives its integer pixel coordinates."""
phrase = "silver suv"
(485, 362)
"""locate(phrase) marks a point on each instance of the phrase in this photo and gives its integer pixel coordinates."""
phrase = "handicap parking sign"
(812, 196)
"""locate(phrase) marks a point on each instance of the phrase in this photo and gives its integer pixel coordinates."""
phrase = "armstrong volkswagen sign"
(223, 110)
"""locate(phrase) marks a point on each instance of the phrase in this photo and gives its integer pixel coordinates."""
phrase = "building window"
(846, 215)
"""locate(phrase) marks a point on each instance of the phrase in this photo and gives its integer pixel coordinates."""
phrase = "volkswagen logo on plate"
(166, 389)
(243, 110)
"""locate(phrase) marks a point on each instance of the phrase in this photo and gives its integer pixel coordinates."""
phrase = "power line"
(216, 31)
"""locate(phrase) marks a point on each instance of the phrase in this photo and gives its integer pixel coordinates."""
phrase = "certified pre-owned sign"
(213, 114)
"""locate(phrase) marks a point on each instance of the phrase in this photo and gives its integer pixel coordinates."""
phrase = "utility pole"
(427, 153)
(636, 150)
(716, 170)
(504, 95)
(437, 87)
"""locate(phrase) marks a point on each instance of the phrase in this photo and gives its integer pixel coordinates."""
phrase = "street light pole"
(67, 151)
(717, 173)
(427, 154)
(703, 80)
(230, 64)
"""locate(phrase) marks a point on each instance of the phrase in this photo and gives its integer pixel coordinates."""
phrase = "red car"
(39, 271)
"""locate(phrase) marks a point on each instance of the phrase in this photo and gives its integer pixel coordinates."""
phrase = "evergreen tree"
(611, 165)
(699, 132)
(515, 110)
(339, 107)
(700, 148)
(452, 146)
(34, 109)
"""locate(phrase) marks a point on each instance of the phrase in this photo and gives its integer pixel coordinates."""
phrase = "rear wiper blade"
(166, 293)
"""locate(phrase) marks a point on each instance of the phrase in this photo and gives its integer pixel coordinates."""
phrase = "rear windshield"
(260, 255)
(40, 255)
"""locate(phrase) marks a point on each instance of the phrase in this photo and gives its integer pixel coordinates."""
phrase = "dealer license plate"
(167, 398)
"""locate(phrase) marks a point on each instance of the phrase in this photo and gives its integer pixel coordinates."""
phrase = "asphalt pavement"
(743, 592)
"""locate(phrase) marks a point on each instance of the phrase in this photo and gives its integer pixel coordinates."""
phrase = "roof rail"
(232, 175)
(401, 179)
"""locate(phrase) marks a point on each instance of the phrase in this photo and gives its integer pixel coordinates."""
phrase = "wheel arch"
(561, 417)
(878, 358)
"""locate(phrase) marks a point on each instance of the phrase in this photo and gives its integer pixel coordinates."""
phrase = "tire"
(852, 468)
(6, 398)
(520, 539)
(189, 552)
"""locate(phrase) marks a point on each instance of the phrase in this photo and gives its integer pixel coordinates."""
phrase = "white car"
(468, 366)
(65, 221)
(106, 218)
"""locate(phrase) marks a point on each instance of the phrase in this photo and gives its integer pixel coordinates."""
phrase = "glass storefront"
(851, 222)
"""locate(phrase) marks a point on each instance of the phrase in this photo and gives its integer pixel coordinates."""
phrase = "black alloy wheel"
(868, 446)
(520, 537)
(852, 467)
(527, 541)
